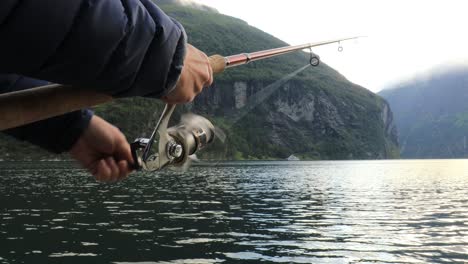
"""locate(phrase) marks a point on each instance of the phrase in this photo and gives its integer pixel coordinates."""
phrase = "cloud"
(193, 4)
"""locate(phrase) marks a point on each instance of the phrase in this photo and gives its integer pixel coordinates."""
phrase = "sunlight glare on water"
(242, 212)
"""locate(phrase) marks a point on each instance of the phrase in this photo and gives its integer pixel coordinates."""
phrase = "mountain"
(269, 109)
(431, 113)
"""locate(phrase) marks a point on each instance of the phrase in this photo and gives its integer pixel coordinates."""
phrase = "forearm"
(122, 48)
(56, 134)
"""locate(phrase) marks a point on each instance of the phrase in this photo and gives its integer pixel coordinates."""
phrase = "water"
(269, 212)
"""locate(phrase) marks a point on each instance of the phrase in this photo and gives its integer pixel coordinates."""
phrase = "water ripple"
(273, 212)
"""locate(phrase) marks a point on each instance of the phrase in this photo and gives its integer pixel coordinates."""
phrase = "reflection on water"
(277, 212)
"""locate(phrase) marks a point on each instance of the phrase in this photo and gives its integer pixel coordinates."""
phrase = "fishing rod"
(27, 106)
(220, 63)
(177, 144)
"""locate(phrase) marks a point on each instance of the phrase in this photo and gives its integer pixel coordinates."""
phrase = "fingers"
(104, 151)
(204, 69)
(123, 150)
(116, 167)
(196, 75)
(109, 171)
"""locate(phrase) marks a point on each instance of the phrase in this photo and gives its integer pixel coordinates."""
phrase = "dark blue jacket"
(123, 48)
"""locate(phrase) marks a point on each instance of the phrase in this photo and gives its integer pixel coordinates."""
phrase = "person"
(121, 48)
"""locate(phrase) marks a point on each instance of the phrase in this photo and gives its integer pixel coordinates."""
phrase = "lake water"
(251, 212)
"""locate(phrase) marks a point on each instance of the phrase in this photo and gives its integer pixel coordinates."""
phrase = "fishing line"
(255, 100)
(260, 96)
(178, 145)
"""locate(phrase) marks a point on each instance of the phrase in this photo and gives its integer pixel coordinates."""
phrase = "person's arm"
(97, 145)
(122, 48)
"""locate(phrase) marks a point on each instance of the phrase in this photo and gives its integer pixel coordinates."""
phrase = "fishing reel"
(175, 145)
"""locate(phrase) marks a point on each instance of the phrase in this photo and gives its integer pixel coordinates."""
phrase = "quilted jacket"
(119, 47)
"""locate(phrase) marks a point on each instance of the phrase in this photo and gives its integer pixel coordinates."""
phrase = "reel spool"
(175, 145)
(193, 134)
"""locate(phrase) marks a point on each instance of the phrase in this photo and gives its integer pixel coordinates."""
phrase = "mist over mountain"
(187, 3)
(431, 113)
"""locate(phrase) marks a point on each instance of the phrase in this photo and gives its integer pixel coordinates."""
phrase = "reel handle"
(137, 147)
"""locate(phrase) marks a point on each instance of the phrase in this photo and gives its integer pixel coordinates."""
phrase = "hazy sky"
(404, 37)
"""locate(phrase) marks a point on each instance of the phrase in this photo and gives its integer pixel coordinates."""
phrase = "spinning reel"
(175, 145)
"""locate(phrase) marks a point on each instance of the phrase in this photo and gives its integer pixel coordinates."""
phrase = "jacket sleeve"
(123, 48)
(57, 134)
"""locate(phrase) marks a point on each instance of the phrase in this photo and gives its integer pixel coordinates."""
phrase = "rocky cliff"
(301, 118)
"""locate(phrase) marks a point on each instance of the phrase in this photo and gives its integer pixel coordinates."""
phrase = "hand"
(196, 74)
(104, 151)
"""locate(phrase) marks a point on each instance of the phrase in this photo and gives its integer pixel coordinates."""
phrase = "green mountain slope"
(431, 114)
(318, 114)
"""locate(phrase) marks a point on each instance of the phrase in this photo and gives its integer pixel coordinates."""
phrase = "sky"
(403, 38)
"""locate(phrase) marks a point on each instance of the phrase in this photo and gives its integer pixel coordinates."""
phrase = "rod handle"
(218, 63)
(28, 106)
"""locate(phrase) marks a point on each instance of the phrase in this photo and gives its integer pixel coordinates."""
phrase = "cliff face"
(390, 125)
(302, 119)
